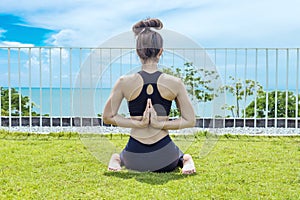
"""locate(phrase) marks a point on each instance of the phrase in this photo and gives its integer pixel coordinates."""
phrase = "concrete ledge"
(55, 121)
(259, 123)
(201, 122)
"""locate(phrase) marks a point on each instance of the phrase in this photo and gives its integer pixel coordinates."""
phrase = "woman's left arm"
(187, 118)
(110, 113)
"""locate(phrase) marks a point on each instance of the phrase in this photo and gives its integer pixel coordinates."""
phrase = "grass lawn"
(59, 166)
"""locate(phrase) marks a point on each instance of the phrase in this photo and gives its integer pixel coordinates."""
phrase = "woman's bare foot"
(115, 163)
(188, 165)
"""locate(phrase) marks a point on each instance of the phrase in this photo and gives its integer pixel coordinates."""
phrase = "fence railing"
(229, 87)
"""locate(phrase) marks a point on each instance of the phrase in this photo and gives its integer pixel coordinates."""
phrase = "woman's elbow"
(192, 122)
(107, 119)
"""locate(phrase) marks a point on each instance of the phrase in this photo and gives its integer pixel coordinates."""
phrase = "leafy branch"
(241, 90)
(197, 81)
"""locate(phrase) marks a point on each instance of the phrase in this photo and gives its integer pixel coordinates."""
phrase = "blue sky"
(16, 30)
(211, 23)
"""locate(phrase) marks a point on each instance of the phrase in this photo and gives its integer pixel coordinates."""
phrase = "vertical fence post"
(9, 89)
(80, 87)
(110, 70)
(91, 87)
(50, 85)
(41, 92)
(60, 88)
(30, 92)
(173, 64)
(255, 96)
(101, 85)
(121, 61)
(245, 89)
(20, 89)
(235, 76)
(203, 110)
(214, 92)
(130, 60)
(276, 90)
(267, 88)
(225, 91)
(297, 92)
(71, 89)
(287, 88)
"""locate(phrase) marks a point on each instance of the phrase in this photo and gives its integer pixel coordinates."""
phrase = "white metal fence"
(230, 87)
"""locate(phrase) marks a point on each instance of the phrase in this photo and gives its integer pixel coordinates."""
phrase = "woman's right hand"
(154, 122)
(145, 121)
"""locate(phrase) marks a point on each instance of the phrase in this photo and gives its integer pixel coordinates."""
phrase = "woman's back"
(132, 88)
(132, 85)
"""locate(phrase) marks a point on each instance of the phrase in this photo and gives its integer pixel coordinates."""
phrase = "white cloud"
(2, 31)
(241, 22)
(14, 44)
(65, 37)
(215, 23)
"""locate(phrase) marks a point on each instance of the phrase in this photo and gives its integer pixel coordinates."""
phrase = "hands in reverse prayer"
(150, 117)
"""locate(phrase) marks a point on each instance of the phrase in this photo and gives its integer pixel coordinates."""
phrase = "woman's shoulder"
(170, 79)
(129, 77)
(127, 81)
(171, 83)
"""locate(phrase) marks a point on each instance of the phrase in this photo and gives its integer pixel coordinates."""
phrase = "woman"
(149, 94)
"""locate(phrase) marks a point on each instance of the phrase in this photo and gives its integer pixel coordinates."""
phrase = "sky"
(90, 23)
(210, 23)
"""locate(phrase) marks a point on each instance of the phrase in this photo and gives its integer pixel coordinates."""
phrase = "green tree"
(281, 105)
(241, 90)
(15, 104)
(197, 82)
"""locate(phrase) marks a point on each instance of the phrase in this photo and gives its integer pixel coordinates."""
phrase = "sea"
(67, 101)
(90, 102)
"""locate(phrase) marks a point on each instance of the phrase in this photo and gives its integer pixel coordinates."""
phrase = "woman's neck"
(150, 67)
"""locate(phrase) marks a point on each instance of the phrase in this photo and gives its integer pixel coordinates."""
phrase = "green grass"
(58, 166)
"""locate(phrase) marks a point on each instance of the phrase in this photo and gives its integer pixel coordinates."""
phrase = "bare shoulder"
(129, 84)
(173, 80)
(129, 79)
(169, 86)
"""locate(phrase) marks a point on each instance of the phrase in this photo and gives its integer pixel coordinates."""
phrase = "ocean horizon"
(90, 102)
(62, 101)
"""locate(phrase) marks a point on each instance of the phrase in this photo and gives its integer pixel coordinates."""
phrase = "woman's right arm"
(110, 113)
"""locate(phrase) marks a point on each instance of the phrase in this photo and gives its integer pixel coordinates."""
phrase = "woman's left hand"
(154, 122)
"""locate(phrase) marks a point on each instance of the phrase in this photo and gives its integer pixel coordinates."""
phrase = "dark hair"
(148, 42)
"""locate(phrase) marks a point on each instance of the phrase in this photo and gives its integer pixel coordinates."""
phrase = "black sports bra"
(137, 106)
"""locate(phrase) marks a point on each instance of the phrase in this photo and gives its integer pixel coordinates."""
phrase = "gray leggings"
(162, 156)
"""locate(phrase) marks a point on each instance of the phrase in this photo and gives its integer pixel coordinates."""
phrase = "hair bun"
(147, 23)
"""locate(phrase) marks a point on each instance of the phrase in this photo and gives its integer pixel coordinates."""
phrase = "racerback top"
(137, 106)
